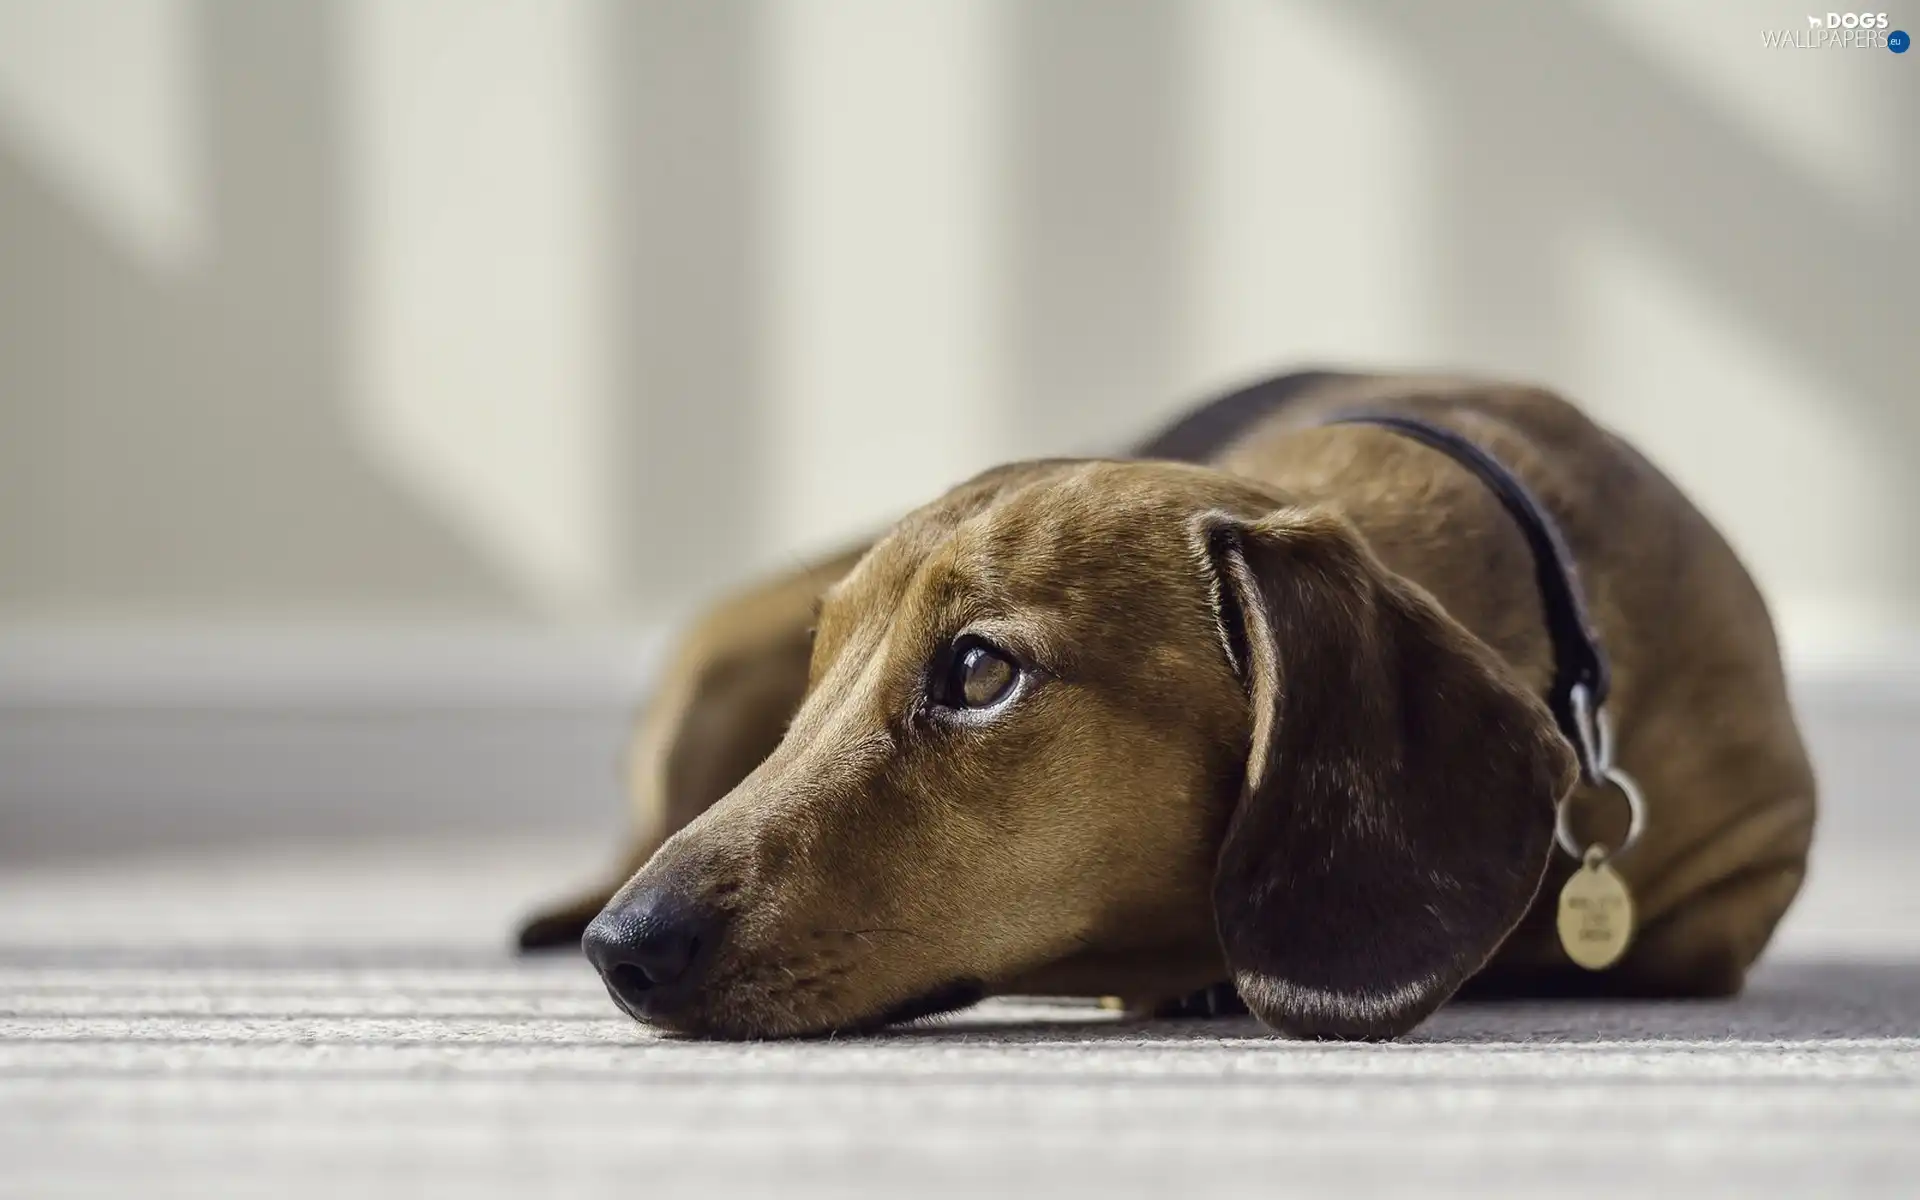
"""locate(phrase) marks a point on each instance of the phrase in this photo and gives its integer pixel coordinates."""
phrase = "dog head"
(1116, 728)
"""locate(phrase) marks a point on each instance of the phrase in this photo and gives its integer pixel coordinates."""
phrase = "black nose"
(651, 949)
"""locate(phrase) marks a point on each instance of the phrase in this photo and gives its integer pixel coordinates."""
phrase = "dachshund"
(1268, 710)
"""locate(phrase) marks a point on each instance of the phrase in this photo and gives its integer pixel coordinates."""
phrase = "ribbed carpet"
(337, 1023)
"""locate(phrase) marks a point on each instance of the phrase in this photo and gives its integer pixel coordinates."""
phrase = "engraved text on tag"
(1596, 915)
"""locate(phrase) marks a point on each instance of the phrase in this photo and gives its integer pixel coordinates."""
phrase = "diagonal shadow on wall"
(208, 408)
(1096, 126)
(1551, 118)
(684, 146)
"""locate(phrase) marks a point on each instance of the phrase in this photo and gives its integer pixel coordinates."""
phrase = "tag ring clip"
(1596, 765)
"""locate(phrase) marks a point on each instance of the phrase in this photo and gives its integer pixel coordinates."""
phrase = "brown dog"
(1271, 716)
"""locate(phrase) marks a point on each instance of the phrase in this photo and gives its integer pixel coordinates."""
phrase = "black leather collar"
(1581, 677)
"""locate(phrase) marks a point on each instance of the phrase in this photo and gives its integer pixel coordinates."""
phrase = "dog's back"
(1700, 707)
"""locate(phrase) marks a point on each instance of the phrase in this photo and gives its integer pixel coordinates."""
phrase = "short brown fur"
(1280, 723)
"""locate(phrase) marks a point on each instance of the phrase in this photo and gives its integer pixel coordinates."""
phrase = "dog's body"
(1274, 718)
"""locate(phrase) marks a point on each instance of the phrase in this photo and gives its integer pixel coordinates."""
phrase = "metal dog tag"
(1596, 913)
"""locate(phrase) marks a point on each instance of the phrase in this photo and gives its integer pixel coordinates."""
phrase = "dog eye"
(981, 676)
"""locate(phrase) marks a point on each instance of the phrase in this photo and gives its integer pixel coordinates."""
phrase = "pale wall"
(565, 312)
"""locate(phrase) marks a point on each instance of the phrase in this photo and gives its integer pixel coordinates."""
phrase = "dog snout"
(652, 949)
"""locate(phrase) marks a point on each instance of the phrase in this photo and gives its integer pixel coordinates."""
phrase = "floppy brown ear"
(1397, 811)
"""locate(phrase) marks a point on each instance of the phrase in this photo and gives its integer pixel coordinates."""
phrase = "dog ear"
(1397, 810)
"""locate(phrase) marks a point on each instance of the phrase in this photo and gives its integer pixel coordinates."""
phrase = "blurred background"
(380, 381)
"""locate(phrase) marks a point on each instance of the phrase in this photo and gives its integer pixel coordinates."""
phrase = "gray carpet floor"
(343, 1022)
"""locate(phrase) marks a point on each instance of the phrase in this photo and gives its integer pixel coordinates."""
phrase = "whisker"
(877, 929)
